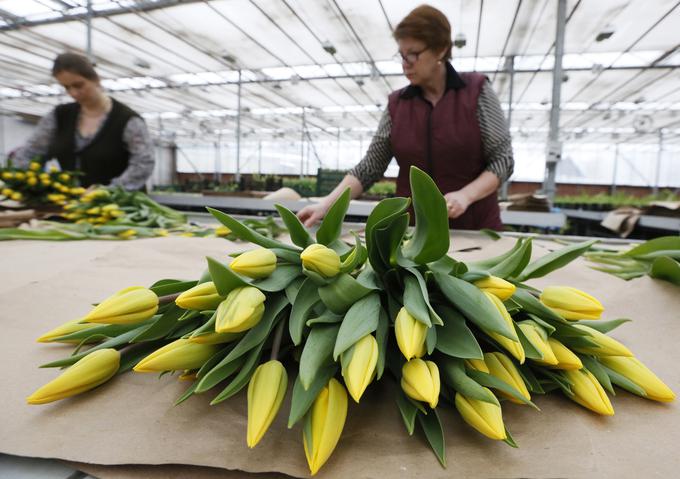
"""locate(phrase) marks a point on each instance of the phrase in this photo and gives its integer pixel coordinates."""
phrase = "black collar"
(453, 82)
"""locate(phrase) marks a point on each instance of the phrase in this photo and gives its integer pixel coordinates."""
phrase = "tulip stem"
(277, 339)
(169, 298)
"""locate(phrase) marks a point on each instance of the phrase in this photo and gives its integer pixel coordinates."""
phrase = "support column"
(659, 157)
(259, 157)
(337, 158)
(510, 68)
(88, 29)
(302, 145)
(554, 147)
(612, 189)
(238, 130)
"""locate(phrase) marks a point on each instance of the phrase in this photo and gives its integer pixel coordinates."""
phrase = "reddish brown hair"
(74, 63)
(429, 25)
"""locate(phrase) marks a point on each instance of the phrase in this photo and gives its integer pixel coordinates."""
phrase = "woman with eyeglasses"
(449, 124)
(95, 134)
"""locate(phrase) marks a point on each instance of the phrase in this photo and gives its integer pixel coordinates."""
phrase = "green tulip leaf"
(381, 338)
(218, 373)
(434, 433)
(493, 382)
(129, 357)
(293, 288)
(663, 243)
(287, 255)
(555, 260)
(161, 327)
(530, 351)
(306, 298)
(531, 304)
(509, 440)
(361, 319)
(242, 378)
(356, 257)
(431, 339)
(224, 278)
(494, 235)
(327, 317)
(283, 275)
(422, 285)
(592, 365)
(298, 233)
(604, 326)
(187, 394)
(454, 374)
(342, 293)
(165, 287)
(667, 269)
(383, 215)
(302, 399)
(414, 302)
(407, 410)
(317, 352)
(515, 263)
(454, 338)
(246, 233)
(472, 302)
(488, 263)
(430, 240)
(331, 225)
(533, 384)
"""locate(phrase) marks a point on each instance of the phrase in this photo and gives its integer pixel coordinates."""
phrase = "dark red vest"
(445, 141)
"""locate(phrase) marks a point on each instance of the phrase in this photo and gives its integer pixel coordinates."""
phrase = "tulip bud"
(240, 311)
(420, 381)
(127, 306)
(513, 346)
(566, 359)
(504, 369)
(69, 327)
(258, 263)
(486, 417)
(496, 286)
(606, 346)
(539, 340)
(477, 365)
(266, 391)
(222, 231)
(586, 391)
(358, 365)
(633, 370)
(571, 303)
(175, 356)
(88, 373)
(323, 424)
(410, 334)
(322, 260)
(201, 297)
(214, 338)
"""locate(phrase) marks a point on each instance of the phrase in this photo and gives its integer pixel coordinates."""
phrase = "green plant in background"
(462, 335)
(383, 188)
(305, 187)
(658, 258)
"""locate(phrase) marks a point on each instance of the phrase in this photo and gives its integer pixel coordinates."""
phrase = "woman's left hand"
(457, 203)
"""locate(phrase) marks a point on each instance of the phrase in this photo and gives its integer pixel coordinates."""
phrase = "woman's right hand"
(312, 214)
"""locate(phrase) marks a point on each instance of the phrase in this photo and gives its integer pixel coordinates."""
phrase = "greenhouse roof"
(328, 63)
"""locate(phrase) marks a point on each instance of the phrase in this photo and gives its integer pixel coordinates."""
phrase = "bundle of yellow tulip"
(34, 186)
(337, 316)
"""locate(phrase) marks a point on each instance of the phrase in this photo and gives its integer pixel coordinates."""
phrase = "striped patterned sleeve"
(496, 140)
(39, 142)
(378, 156)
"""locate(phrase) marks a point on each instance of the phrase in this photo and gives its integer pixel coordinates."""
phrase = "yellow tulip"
(323, 424)
(45, 182)
(19, 175)
(78, 190)
(504, 369)
(513, 346)
(606, 346)
(64, 177)
(410, 334)
(587, 391)
(496, 286)
(485, 417)
(241, 310)
(17, 196)
(88, 373)
(358, 365)
(34, 166)
(127, 306)
(201, 297)
(32, 181)
(7, 192)
(633, 370)
(178, 355)
(571, 303)
(7, 175)
(110, 207)
(222, 231)
(266, 391)
(539, 340)
(214, 338)
(258, 263)
(69, 327)
(420, 381)
(321, 260)
(477, 365)
(566, 359)
(95, 210)
(127, 234)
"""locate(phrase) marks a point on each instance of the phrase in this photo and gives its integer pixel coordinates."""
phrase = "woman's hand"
(457, 203)
(312, 214)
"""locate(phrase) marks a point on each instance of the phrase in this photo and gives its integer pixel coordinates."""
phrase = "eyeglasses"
(410, 58)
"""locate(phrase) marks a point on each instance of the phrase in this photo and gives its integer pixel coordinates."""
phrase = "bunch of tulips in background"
(35, 186)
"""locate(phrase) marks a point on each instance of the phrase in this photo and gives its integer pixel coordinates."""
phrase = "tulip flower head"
(201, 297)
(241, 310)
(588, 392)
(571, 303)
(497, 286)
(604, 345)
(128, 306)
(358, 365)
(485, 417)
(321, 260)
(420, 381)
(513, 346)
(566, 359)
(257, 264)
(632, 369)
(410, 334)
(176, 356)
(504, 369)
(266, 391)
